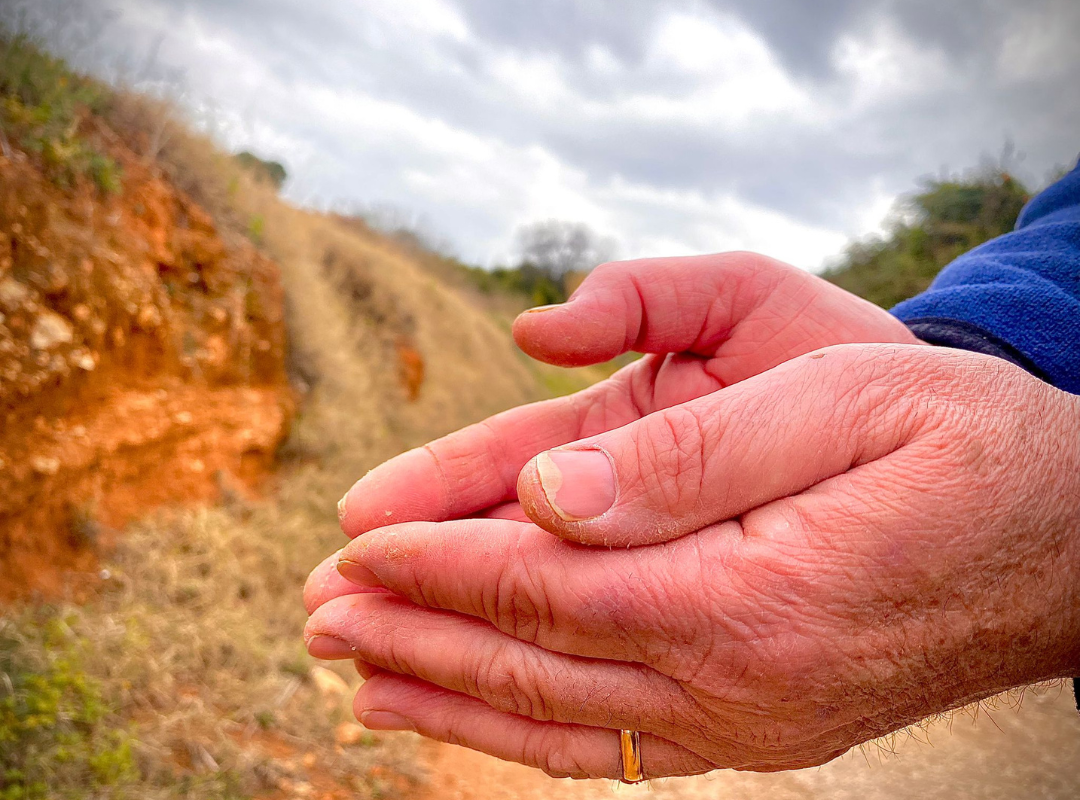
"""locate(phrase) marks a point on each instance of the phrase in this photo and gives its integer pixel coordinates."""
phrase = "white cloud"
(730, 77)
(697, 136)
(428, 18)
(1042, 44)
(882, 65)
(713, 222)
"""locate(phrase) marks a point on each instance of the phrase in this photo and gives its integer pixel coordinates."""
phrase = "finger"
(546, 591)
(469, 656)
(716, 457)
(393, 702)
(325, 583)
(508, 511)
(330, 648)
(751, 311)
(745, 313)
(476, 467)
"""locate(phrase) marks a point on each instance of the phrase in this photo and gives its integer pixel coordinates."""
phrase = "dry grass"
(194, 640)
(195, 637)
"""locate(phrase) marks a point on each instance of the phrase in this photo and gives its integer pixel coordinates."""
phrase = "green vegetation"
(944, 219)
(56, 735)
(256, 228)
(273, 172)
(42, 106)
(527, 280)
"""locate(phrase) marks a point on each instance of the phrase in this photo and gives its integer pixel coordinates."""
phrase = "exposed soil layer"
(142, 362)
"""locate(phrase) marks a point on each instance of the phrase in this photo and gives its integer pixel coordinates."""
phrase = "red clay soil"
(141, 363)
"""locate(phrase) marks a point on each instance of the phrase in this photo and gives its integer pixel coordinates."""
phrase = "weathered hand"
(707, 322)
(895, 534)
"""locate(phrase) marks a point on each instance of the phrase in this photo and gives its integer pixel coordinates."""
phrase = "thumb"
(716, 457)
(654, 305)
(761, 311)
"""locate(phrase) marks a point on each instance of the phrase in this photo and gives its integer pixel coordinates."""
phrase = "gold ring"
(630, 756)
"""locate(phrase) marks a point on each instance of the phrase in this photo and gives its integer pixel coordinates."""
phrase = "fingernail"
(386, 721)
(358, 574)
(579, 484)
(539, 309)
(329, 648)
(342, 510)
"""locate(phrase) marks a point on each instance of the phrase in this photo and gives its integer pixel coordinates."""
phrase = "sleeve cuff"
(965, 336)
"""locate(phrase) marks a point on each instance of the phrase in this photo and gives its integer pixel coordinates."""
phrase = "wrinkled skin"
(815, 546)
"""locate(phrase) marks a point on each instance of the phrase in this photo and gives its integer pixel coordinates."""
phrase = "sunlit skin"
(810, 541)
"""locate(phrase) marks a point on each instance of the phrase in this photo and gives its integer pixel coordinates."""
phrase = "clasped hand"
(788, 529)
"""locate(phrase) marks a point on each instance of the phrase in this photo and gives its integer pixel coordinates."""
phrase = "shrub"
(527, 280)
(273, 172)
(54, 733)
(943, 220)
(42, 103)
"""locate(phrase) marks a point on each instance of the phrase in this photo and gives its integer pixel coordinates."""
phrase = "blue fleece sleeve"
(1016, 296)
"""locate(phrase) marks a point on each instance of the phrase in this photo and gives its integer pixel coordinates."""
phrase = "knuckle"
(608, 268)
(511, 680)
(397, 656)
(548, 752)
(672, 458)
(877, 394)
(519, 605)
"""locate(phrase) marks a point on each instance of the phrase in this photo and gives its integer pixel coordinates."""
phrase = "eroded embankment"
(141, 362)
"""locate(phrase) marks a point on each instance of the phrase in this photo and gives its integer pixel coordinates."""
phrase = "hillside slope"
(142, 361)
(191, 373)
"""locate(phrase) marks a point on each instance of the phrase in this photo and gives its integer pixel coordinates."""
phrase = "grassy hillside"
(181, 673)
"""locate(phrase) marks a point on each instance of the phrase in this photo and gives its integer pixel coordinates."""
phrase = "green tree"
(556, 247)
(273, 172)
(944, 219)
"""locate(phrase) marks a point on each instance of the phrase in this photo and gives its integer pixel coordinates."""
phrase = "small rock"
(149, 317)
(328, 682)
(349, 734)
(310, 760)
(183, 418)
(12, 293)
(83, 360)
(45, 465)
(50, 330)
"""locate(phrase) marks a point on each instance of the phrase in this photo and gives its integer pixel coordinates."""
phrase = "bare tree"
(557, 247)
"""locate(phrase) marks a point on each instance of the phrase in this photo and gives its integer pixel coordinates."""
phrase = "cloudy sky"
(674, 126)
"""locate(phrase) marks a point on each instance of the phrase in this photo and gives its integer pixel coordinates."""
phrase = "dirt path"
(1030, 753)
